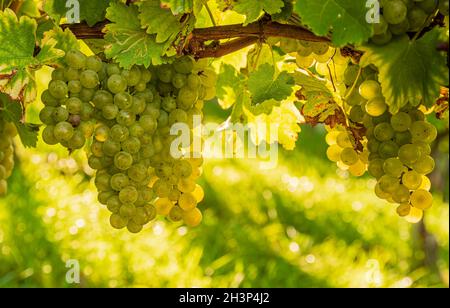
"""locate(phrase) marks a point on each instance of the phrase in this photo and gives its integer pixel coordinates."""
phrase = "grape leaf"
(17, 55)
(159, 21)
(29, 8)
(179, 6)
(91, 11)
(286, 12)
(264, 85)
(65, 40)
(345, 19)
(129, 44)
(253, 9)
(410, 71)
(28, 134)
(11, 110)
(288, 117)
(229, 84)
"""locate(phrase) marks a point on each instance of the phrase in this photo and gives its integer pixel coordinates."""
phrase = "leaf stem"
(211, 16)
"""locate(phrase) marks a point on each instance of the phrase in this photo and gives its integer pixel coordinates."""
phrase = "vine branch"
(196, 42)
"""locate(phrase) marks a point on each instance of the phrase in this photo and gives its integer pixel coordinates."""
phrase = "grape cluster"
(7, 132)
(401, 16)
(127, 115)
(396, 147)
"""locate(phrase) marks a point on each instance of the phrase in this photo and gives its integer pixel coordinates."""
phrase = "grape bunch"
(396, 149)
(127, 117)
(7, 132)
(401, 16)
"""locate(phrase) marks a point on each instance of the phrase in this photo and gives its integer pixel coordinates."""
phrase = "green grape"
(95, 163)
(48, 100)
(394, 167)
(132, 145)
(164, 73)
(421, 199)
(384, 132)
(93, 63)
(119, 133)
(395, 11)
(193, 217)
(370, 89)
(113, 69)
(102, 181)
(417, 19)
(58, 74)
(103, 196)
(402, 138)
(412, 180)
(113, 204)
(136, 130)
(132, 76)
(349, 156)
(118, 222)
(381, 194)
(401, 194)
(186, 98)
(424, 165)
(128, 195)
(137, 173)
(149, 124)
(416, 115)
(356, 114)
(117, 84)
(399, 29)
(162, 188)
(376, 106)
(125, 118)
(350, 74)
(343, 140)
(373, 145)
(110, 111)
(101, 133)
(111, 148)
(71, 74)
(102, 98)
(48, 135)
(380, 27)
(138, 106)
(404, 209)
(77, 141)
(74, 106)
(89, 79)
(382, 39)
(63, 131)
(119, 181)
(74, 86)
(123, 100)
(409, 154)
(86, 95)
(58, 89)
(60, 114)
(320, 48)
(388, 183)
(75, 59)
(123, 160)
(141, 217)
(304, 61)
(182, 169)
(187, 201)
(423, 131)
(193, 82)
(428, 6)
(376, 168)
(388, 149)
(127, 210)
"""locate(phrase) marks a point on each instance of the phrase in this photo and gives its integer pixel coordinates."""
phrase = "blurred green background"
(304, 224)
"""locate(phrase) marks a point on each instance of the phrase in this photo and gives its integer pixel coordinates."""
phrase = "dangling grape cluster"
(7, 132)
(128, 114)
(395, 150)
(401, 16)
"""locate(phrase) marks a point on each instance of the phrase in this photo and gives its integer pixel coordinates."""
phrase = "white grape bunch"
(7, 132)
(395, 150)
(128, 128)
(402, 16)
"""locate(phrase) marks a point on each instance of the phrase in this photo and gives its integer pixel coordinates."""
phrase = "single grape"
(421, 199)
(395, 11)
(412, 180)
(123, 160)
(370, 89)
(193, 217)
(163, 206)
(376, 106)
(424, 165)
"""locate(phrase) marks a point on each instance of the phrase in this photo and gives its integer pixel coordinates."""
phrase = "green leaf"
(29, 8)
(253, 9)
(28, 134)
(286, 12)
(65, 39)
(345, 19)
(11, 110)
(159, 21)
(229, 84)
(179, 6)
(129, 44)
(410, 71)
(288, 117)
(91, 11)
(264, 85)
(319, 98)
(17, 60)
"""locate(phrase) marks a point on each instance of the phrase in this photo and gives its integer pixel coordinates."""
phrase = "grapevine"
(123, 76)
